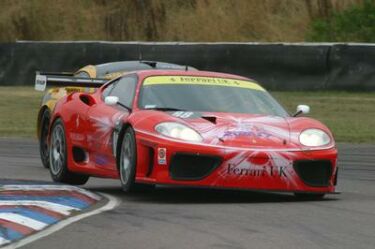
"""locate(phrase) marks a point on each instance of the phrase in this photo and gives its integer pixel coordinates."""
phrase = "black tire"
(43, 138)
(127, 161)
(309, 196)
(58, 155)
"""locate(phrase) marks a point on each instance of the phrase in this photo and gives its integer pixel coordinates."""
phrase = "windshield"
(207, 94)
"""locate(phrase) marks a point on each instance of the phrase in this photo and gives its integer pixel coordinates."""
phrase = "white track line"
(49, 187)
(112, 203)
(23, 220)
(3, 241)
(58, 208)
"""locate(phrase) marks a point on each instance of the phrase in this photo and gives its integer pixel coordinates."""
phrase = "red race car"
(190, 128)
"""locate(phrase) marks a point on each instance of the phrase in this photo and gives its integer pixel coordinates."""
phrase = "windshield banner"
(205, 81)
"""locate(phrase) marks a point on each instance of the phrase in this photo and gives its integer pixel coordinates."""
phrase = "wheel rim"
(126, 158)
(57, 150)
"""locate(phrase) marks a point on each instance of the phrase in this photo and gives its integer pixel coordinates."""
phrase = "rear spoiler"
(42, 79)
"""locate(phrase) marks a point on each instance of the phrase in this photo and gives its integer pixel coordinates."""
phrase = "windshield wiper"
(165, 109)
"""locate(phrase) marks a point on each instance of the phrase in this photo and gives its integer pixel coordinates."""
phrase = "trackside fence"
(278, 66)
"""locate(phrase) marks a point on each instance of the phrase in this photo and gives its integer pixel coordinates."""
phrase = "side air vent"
(151, 155)
(79, 155)
(87, 99)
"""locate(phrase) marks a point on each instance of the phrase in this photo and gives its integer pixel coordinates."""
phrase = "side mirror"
(302, 109)
(111, 100)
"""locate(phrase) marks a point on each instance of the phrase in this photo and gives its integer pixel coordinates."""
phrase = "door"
(103, 119)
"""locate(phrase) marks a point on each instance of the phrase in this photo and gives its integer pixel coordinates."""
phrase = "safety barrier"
(278, 66)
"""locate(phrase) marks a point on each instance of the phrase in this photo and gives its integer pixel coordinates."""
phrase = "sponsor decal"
(246, 130)
(101, 160)
(40, 82)
(182, 114)
(203, 81)
(185, 115)
(77, 136)
(255, 133)
(273, 171)
(162, 156)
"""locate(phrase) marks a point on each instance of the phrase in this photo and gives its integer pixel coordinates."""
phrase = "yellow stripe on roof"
(198, 80)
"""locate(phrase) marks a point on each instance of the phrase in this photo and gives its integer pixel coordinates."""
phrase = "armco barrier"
(284, 66)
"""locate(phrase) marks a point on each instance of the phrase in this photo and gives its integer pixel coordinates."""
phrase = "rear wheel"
(127, 163)
(58, 156)
(43, 138)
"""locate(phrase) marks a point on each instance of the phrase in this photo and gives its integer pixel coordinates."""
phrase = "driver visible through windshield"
(207, 94)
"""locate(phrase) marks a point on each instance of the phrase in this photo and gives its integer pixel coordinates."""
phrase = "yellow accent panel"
(204, 81)
(51, 104)
(90, 69)
(54, 94)
(113, 75)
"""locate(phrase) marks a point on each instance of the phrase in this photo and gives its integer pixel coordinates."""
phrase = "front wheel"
(58, 156)
(127, 163)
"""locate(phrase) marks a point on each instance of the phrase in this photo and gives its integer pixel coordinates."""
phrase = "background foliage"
(355, 24)
(186, 20)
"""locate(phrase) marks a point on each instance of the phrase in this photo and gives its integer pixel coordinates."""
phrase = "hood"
(239, 130)
(236, 129)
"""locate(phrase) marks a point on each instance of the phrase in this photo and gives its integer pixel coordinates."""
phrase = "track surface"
(188, 218)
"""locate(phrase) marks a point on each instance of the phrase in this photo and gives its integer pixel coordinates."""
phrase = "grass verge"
(18, 111)
(351, 116)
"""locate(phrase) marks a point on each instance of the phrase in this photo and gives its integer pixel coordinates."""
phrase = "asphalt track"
(198, 218)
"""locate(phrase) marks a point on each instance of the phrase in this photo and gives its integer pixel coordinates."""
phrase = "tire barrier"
(278, 66)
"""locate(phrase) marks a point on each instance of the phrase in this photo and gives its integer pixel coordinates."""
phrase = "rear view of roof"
(127, 66)
(193, 73)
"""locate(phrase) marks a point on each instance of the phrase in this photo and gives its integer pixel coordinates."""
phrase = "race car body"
(189, 128)
(86, 79)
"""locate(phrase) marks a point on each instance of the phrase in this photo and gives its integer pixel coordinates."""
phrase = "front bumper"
(172, 162)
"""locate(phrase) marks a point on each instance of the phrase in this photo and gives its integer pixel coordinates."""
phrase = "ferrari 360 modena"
(189, 128)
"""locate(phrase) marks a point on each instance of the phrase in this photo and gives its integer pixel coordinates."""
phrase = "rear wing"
(42, 79)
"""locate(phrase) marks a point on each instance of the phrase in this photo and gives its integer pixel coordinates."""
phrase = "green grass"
(351, 116)
(18, 111)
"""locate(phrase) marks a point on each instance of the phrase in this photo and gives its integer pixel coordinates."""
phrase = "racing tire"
(127, 161)
(43, 138)
(309, 196)
(58, 155)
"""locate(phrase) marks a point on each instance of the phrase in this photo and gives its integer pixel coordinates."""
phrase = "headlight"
(314, 137)
(179, 131)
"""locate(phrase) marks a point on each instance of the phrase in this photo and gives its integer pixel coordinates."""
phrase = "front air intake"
(192, 166)
(315, 173)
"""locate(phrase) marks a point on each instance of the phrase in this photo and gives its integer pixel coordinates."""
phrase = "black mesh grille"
(315, 173)
(192, 166)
